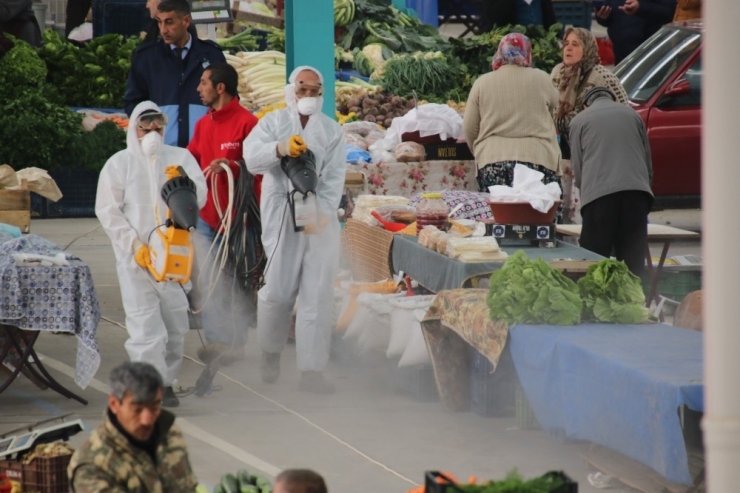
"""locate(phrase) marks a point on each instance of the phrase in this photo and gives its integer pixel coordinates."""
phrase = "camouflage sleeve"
(88, 478)
(179, 461)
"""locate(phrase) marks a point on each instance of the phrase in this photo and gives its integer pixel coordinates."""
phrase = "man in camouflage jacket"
(137, 448)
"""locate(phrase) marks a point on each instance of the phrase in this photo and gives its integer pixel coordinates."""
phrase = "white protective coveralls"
(299, 265)
(128, 189)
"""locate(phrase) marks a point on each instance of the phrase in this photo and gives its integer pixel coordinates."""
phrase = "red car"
(663, 81)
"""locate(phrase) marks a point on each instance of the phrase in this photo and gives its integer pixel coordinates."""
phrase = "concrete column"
(309, 40)
(721, 232)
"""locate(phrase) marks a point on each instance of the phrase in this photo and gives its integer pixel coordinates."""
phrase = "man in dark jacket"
(504, 12)
(17, 18)
(630, 22)
(137, 448)
(168, 72)
(610, 154)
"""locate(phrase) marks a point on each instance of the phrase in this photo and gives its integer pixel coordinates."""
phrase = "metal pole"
(721, 183)
(309, 40)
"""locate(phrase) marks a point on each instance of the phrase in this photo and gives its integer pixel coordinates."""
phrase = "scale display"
(210, 11)
(27, 440)
(539, 234)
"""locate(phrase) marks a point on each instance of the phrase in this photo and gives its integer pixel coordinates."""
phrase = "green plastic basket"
(676, 285)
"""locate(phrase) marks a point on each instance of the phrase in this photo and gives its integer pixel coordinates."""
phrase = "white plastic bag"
(428, 119)
(378, 334)
(528, 187)
(416, 352)
(403, 321)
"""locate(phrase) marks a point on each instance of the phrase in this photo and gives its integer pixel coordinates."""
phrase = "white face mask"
(151, 143)
(308, 106)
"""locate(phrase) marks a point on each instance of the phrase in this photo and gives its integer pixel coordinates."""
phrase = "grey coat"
(610, 151)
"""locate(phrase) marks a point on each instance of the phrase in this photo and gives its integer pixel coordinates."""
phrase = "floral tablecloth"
(456, 320)
(406, 179)
(51, 298)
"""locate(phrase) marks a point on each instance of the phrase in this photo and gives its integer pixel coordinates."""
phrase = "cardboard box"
(15, 208)
(456, 151)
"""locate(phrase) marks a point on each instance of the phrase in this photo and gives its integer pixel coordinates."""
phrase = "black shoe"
(169, 399)
(314, 381)
(224, 353)
(270, 367)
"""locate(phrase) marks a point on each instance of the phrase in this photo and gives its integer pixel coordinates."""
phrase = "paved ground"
(366, 438)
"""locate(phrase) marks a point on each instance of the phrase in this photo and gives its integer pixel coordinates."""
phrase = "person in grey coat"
(610, 155)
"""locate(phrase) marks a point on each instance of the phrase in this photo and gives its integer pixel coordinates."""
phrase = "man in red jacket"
(217, 142)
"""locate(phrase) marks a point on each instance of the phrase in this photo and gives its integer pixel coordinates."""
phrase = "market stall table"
(406, 179)
(436, 272)
(656, 233)
(619, 386)
(54, 298)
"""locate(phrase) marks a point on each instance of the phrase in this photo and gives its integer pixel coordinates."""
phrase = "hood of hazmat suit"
(299, 264)
(129, 207)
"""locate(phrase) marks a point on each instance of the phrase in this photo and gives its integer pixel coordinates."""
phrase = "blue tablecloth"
(619, 386)
(51, 298)
(436, 272)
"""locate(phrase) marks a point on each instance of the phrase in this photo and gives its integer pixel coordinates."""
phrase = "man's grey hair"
(595, 93)
(141, 380)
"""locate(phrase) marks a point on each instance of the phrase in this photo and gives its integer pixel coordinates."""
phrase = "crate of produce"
(570, 13)
(41, 475)
(418, 381)
(492, 392)
(525, 417)
(558, 482)
(125, 17)
(15, 209)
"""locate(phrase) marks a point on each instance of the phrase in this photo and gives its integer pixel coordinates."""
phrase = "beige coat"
(507, 118)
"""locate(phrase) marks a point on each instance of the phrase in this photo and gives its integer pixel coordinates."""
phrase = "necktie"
(178, 52)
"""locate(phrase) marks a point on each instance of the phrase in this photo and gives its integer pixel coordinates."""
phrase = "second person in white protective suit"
(304, 264)
(130, 208)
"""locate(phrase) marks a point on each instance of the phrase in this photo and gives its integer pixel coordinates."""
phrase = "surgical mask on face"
(308, 106)
(151, 143)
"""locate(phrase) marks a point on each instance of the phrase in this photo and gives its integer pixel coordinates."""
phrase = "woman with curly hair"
(580, 71)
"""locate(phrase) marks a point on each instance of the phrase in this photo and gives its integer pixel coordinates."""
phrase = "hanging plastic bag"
(403, 321)
(416, 352)
(378, 334)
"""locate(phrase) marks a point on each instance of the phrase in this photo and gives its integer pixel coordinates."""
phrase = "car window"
(693, 98)
(645, 70)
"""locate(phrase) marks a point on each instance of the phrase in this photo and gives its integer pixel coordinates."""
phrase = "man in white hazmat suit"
(129, 207)
(302, 264)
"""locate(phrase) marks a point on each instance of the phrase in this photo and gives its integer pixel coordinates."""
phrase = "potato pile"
(378, 107)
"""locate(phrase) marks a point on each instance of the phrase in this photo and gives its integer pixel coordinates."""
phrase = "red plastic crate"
(43, 475)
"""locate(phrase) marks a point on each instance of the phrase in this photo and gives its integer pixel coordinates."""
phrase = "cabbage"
(611, 293)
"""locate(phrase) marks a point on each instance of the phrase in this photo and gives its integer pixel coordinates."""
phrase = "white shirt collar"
(187, 45)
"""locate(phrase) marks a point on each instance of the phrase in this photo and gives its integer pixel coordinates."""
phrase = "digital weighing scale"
(25, 438)
(210, 11)
(542, 235)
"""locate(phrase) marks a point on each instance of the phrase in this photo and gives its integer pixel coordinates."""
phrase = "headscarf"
(572, 77)
(290, 100)
(513, 49)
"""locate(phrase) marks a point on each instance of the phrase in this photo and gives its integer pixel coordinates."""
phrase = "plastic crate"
(492, 394)
(125, 17)
(419, 382)
(79, 188)
(57, 12)
(525, 417)
(675, 285)
(578, 14)
(43, 475)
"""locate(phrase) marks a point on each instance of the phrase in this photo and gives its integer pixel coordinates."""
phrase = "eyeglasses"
(147, 121)
(308, 90)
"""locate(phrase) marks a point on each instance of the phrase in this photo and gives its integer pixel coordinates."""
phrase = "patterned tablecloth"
(51, 298)
(406, 179)
(456, 320)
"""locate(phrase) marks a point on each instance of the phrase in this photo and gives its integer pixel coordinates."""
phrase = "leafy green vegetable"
(99, 144)
(38, 133)
(430, 75)
(611, 293)
(530, 291)
(243, 41)
(21, 69)
(91, 76)
(514, 483)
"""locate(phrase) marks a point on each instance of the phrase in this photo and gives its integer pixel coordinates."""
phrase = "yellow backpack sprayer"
(171, 250)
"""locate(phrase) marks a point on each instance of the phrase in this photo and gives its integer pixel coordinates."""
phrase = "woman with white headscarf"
(129, 207)
(301, 264)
